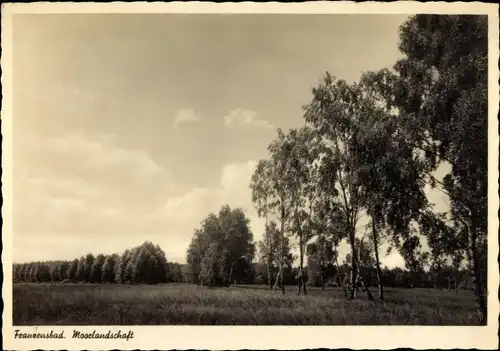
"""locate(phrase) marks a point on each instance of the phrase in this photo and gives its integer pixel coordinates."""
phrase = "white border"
(264, 337)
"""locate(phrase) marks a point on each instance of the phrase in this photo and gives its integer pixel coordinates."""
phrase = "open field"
(88, 304)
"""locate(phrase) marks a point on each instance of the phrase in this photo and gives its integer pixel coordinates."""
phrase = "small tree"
(269, 250)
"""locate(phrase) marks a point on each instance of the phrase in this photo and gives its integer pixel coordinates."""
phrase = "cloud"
(182, 214)
(87, 193)
(194, 205)
(242, 118)
(79, 190)
(100, 156)
(185, 116)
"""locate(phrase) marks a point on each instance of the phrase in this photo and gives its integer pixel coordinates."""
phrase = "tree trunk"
(477, 276)
(304, 283)
(300, 281)
(341, 278)
(479, 286)
(299, 275)
(377, 262)
(356, 282)
(354, 272)
(269, 256)
(270, 264)
(322, 282)
(230, 281)
(365, 288)
(269, 278)
(360, 278)
(282, 239)
(277, 281)
(282, 283)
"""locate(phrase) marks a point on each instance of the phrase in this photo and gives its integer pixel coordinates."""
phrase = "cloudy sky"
(134, 127)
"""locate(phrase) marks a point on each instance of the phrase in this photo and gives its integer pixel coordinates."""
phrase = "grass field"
(74, 304)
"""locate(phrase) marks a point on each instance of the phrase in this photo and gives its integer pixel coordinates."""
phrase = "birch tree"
(440, 91)
(334, 114)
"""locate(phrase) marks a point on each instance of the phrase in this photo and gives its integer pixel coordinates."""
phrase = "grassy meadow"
(183, 304)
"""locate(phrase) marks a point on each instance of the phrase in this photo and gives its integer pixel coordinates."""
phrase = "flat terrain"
(93, 304)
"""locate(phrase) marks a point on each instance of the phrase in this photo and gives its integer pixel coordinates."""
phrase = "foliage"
(146, 264)
(271, 184)
(218, 246)
(108, 268)
(335, 113)
(96, 269)
(440, 90)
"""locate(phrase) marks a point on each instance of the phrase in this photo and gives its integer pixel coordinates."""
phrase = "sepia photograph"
(248, 169)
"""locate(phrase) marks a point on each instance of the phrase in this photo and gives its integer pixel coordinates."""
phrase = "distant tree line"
(448, 277)
(144, 264)
(147, 264)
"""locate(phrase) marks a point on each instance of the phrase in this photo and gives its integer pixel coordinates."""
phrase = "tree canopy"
(219, 246)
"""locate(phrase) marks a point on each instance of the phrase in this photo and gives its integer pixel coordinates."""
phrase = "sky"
(134, 127)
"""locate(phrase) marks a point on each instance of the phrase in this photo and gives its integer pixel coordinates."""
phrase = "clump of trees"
(221, 251)
(144, 264)
(372, 148)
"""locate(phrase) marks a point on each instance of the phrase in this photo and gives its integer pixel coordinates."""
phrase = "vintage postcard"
(250, 175)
